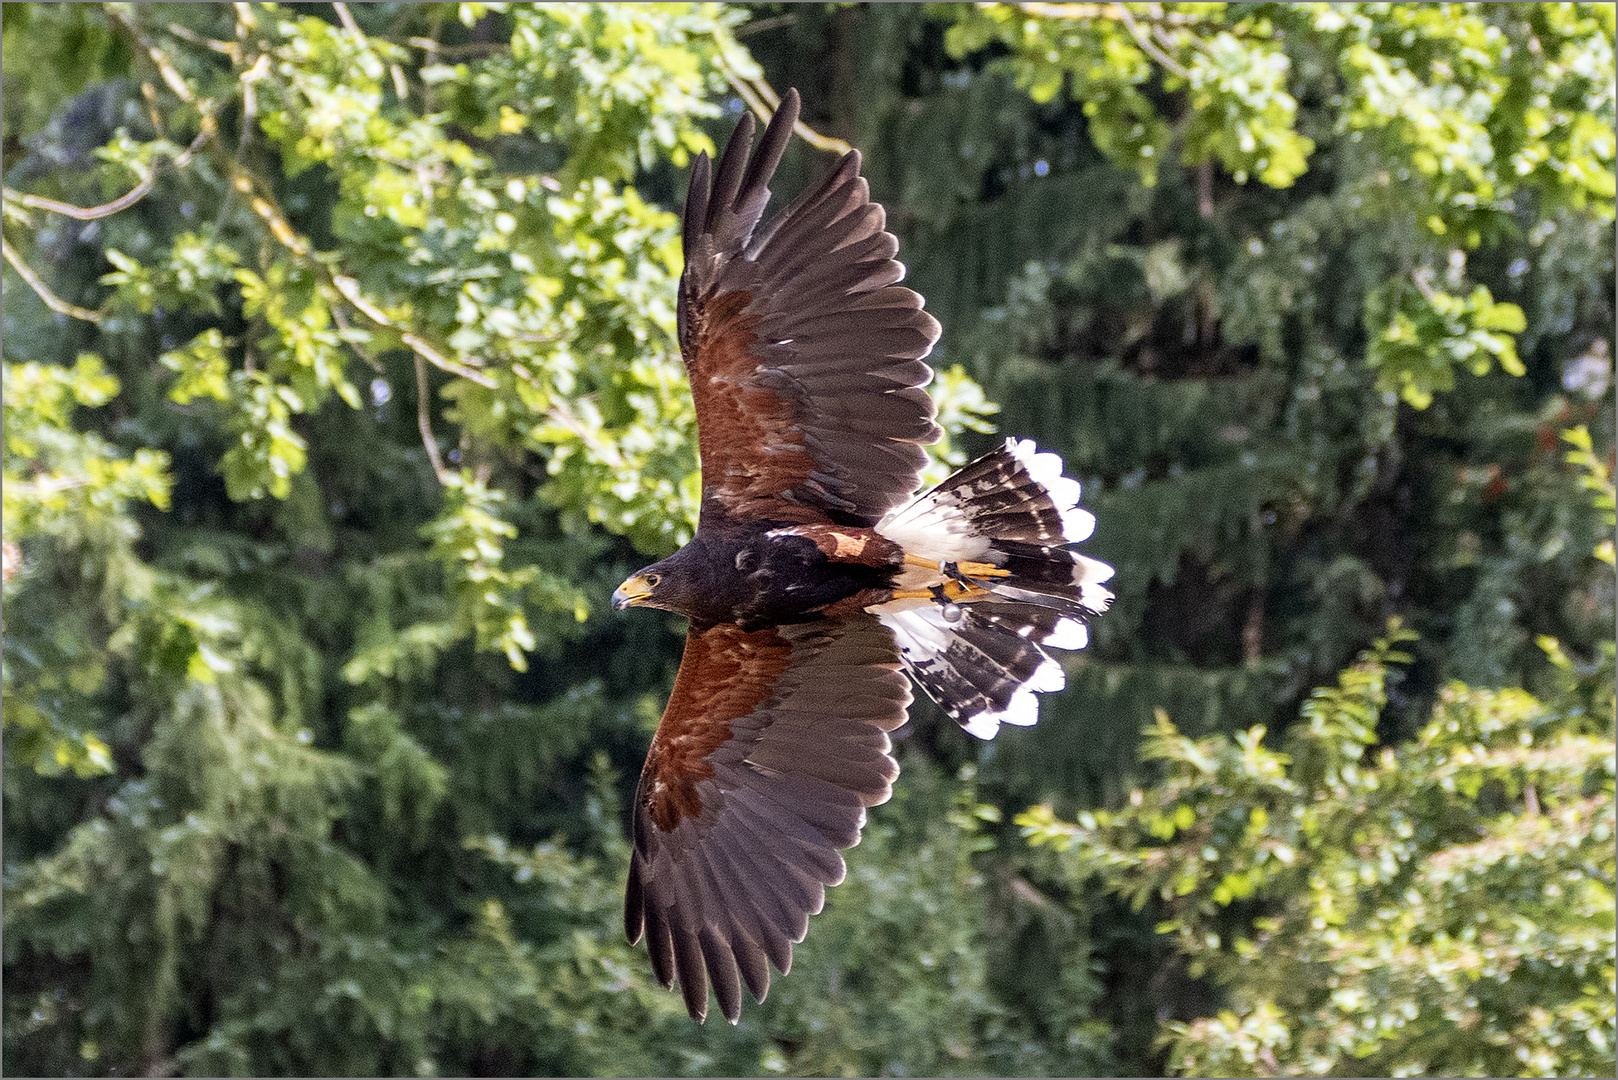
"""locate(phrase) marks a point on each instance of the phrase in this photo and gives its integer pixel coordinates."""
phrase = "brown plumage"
(816, 576)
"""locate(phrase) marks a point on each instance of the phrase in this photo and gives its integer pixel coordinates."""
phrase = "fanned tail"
(998, 589)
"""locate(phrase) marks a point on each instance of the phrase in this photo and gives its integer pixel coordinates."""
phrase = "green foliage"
(1597, 478)
(66, 491)
(468, 539)
(1229, 66)
(1455, 111)
(1444, 906)
(1430, 333)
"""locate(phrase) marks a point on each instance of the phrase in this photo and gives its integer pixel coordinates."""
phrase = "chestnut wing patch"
(773, 744)
(847, 544)
(805, 355)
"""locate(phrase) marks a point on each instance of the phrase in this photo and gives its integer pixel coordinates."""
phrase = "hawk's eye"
(652, 580)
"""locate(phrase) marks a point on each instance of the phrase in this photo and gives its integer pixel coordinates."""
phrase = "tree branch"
(763, 100)
(45, 488)
(1155, 15)
(438, 360)
(475, 48)
(758, 26)
(134, 195)
(228, 48)
(346, 17)
(175, 81)
(1146, 46)
(52, 301)
(562, 413)
(424, 422)
(262, 202)
(348, 288)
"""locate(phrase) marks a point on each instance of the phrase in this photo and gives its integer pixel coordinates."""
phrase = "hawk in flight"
(818, 579)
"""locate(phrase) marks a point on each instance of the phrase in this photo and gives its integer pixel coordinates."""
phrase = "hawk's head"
(682, 583)
(638, 590)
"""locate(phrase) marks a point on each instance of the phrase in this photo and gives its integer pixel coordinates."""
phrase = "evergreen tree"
(1441, 907)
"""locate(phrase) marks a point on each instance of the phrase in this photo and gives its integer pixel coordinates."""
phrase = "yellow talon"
(952, 591)
(965, 569)
(912, 594)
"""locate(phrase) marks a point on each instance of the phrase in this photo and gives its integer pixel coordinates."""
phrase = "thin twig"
(562, 414)
(1161, 36)
(1146, 45)
(474, 48)
(810, 135)
(343, 324)
(149, 93)
(84, 213)
(45, 488)
(1104, 11)
(439, 360)
(748, 95)
(424, 421)
(351, 292)
(263, 204)
(346, 287)
(346, 17)
(176, 82)
(124, 202)
(260, 68)
(52, 301)
(228, 48)
(763, 100)
(400, 87)
(761, 25)
(1423, 277)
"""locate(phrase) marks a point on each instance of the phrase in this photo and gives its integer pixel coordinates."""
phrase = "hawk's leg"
(950, 592)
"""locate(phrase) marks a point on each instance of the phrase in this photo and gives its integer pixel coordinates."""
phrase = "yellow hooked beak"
(635, 592)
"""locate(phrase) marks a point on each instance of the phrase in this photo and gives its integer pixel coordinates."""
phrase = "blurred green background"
(341, 388)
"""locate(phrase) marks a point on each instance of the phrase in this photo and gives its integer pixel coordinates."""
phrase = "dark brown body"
(768, 573)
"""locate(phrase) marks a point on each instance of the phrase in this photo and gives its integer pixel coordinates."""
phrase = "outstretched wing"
(804, 355)
(773, 744)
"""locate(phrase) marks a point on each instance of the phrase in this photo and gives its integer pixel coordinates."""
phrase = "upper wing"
(773, 744)
(804, 355)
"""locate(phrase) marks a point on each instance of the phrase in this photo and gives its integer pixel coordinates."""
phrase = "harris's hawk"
(817, 579)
